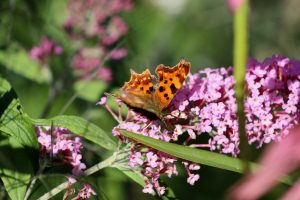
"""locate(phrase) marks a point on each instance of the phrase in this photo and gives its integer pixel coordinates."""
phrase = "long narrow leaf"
(196, 155)
(188, 153)
(81, 127)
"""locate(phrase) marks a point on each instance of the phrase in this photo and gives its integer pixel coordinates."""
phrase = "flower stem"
(34, 179)
(240, 63)
(112, 113)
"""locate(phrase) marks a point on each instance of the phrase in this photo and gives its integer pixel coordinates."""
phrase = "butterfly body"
(152, 94)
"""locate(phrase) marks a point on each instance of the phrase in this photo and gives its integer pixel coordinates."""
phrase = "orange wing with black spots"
(138, 92)
(140, 84)
(146, 92)
(170, 81)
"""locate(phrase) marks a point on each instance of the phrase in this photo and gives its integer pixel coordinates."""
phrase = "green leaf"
(14, 122)
(58, 7)
(15, 168)
(18, 143)
(80, 127)
(17, 60)
(90, 90)
(191, 154)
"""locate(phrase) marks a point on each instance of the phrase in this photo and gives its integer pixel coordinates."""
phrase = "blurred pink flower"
(105, 74)
(89, 19)
(120, 5)
(118, 54)
(84, 62)
(99, 21)
(279, 159)
(45, 49)
(115, 30)
(234, 4)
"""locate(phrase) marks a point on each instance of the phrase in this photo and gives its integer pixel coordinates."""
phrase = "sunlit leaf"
(14, 122)
(18, 143)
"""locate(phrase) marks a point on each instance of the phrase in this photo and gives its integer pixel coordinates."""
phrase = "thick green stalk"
(240, 63)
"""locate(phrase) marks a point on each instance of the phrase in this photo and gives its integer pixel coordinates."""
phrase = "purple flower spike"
(272, 104)
(61, 145)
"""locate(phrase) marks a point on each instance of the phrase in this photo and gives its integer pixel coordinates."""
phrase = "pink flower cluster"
(61, 146)
(85, 192)
(44, 50)
(96, 20)
(207, 105)
(150, 162)
(273, 100)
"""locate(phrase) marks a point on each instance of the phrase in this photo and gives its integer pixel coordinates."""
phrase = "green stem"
(34, 179)
(240, 63)
(240, 45)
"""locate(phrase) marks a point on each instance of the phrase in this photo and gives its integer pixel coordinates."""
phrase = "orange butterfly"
(147, 92)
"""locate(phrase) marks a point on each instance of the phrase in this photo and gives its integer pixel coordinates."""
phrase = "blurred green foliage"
(199, 31)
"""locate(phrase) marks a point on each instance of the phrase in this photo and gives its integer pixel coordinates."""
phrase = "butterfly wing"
(138, 92)
(170, 80)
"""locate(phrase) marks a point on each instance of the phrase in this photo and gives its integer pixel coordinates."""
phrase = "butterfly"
(154, 94)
